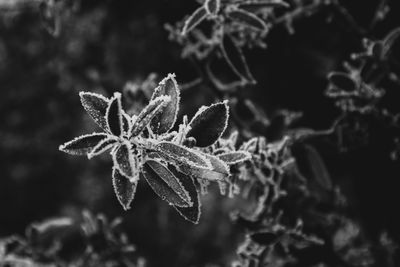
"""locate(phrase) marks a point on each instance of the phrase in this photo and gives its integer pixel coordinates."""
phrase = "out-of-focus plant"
(90, 241)
(359, 90)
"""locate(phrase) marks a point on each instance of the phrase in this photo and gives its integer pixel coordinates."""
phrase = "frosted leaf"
(195, 19)
(102, 147)
(212, 6)
(155, 107)
(169, 136)
(159, 179)
(164, 121)
(169, 178)
(209, 123)
(247, 18)
(126, 122)
(124, 160)
(114, 115)
(96, 106)
(255, 5)
(182, 155)
(342, 81)
(218, 172)
(192, 213)
(83, 144)
(236, 157)
(235, 59)
(124, 189)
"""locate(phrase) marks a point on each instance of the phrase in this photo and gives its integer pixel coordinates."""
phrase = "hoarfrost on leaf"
(218, 172)
(192, 213)
(235, 59)
(163, 122)
(155, 107)
(114, 115)
(83, 144)
(102, 147)
(124, 188)
(209, 123)
(195, 19)
(124, 160)
(96, 106)
(182, 155)
(160, 180)
(235, 157)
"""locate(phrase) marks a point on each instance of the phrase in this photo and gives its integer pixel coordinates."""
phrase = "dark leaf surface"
(209, 124)
(102, 147)
(155, 107)
(182, 155)
(123, 188)
(114, 115)
(165, 184)
(342, 81)
(265, 238)
(163, 122)
(235, 59)
(96, 106)
(82, 144)
(218, 172)
(124, 161)
(192, 213)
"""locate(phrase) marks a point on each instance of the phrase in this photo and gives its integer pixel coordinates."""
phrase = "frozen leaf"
(255, 5)
(192, 213)
(318, 167)
(209, 124)
(342, 81)
(265, 238)
(235, 157)
(126, 122)
(235, 59)
(102, 147)
(96, 106)
(124, 160)
(155, 107)
(124, 188)
(165, 184)
(182, 155)
(247, 18)
(212, 6)
(82, 144)
(114, 115)
(195, 19)
(163, 122)
(218, 172)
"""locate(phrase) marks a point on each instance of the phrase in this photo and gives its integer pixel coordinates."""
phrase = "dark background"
(103, 45)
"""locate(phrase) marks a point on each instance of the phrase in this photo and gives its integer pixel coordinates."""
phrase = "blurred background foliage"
(104, 44)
